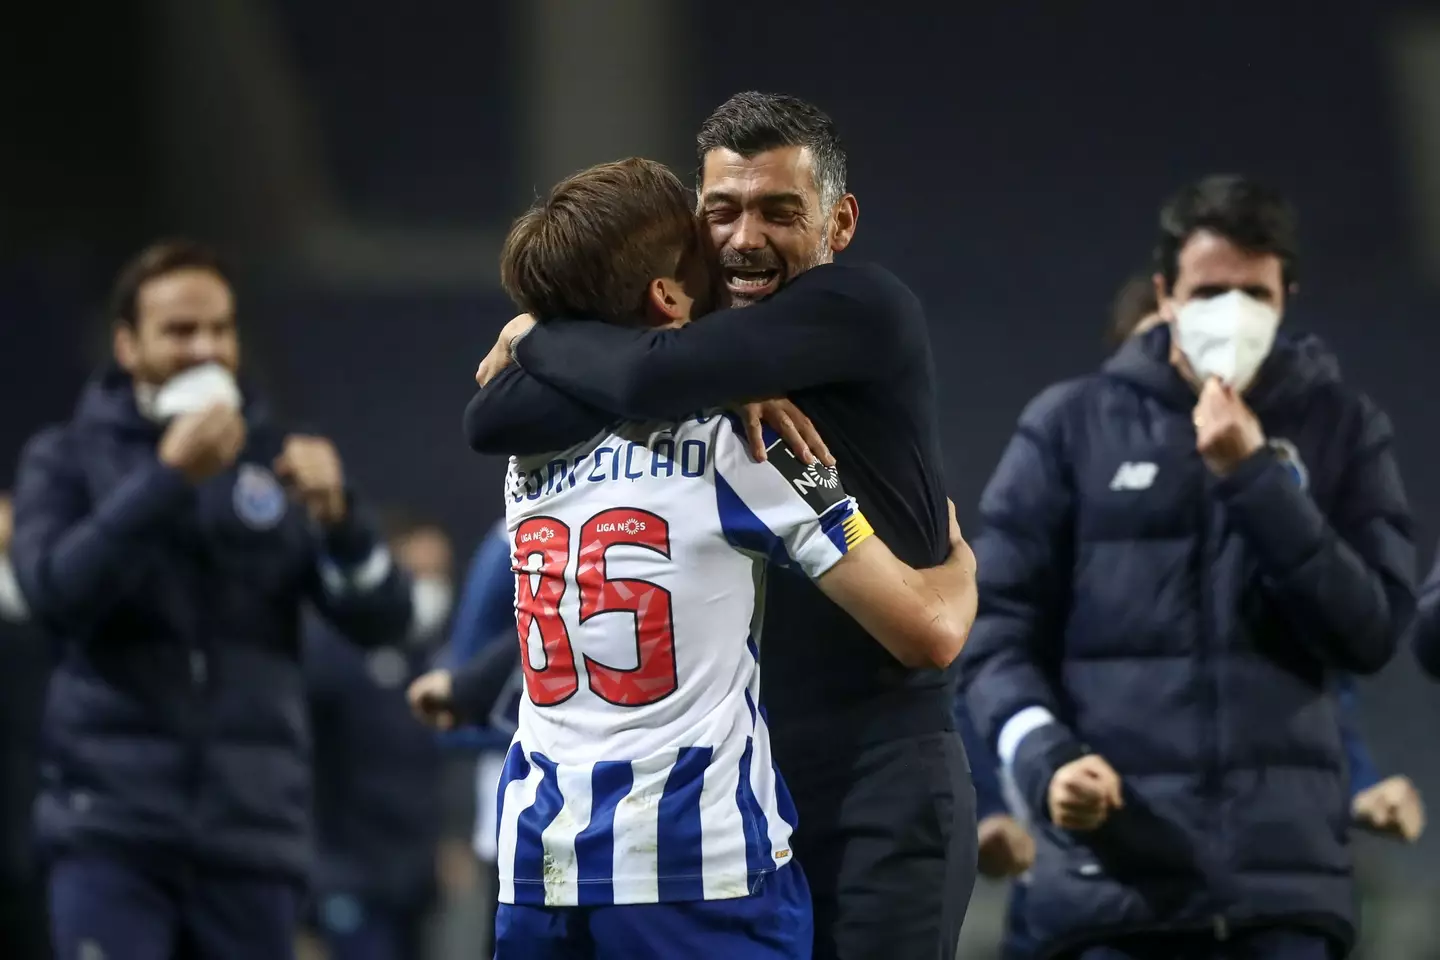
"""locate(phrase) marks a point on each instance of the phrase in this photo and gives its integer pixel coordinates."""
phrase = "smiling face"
(767, 220)
(182, 319)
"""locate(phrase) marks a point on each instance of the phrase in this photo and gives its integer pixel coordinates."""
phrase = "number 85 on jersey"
(537, 607)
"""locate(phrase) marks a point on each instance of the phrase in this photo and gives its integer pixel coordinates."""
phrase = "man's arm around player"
(833, 324)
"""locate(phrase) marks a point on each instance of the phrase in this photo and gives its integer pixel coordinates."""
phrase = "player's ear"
(666, 302)
(842, 222)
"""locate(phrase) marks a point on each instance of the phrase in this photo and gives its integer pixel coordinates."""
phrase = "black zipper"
(1212, 777)
(198, 670)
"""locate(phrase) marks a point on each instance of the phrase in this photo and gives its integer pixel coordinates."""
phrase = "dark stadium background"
(359, 160)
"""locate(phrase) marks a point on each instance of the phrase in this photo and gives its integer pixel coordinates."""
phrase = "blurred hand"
(429, 698)
(202, 444)
(790, 423)
(457, 871)
(1084, 793)
(1226, 431)
(1392, 807)
(7, 522)
(311, 468)
(499, 356)
(1006, 847)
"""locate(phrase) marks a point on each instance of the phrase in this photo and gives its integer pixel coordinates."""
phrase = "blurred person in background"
(485, 625)
(1006, 849)
(156, 544)
(1180, 555)
(24, 663)
(377, 770)
(1425, 638)
(1390, 807)
(866, 741)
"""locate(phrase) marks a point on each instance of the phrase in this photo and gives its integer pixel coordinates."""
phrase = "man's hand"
(499, 356)
(429, 698)
(1006, 848)
(203, 443)
(1391, 807)
(1084, 793)
(311, 468)
(1226, 431)
(7, 522)
(794, 428)
(960, 552)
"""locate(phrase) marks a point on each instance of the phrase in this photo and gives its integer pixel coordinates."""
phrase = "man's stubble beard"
(822, 254)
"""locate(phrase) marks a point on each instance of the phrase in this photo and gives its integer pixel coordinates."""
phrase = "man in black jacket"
(1182, 554)
(154, 540)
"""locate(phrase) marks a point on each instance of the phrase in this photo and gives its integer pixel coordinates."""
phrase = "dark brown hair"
(157, 260)
(1253, 216)
(594, 244)
(752, 123)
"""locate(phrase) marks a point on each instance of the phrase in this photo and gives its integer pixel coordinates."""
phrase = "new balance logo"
(1134, 476)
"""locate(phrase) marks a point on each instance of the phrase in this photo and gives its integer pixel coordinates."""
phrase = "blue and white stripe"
(692, 824)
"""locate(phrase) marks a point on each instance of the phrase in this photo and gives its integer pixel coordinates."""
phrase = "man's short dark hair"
(594, 244)
(1251, 215)
(155, 261)
(1134, 301)
(751, 123)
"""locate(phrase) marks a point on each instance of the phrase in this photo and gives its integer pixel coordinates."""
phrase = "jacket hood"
(1296, 366)
(108, 400)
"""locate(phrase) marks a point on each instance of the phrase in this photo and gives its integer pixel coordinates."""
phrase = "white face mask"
(195, 388)
(1227, 336)
(12, 601)
(430, 599)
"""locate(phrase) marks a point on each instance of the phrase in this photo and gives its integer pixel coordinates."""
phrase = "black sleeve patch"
(818, 485)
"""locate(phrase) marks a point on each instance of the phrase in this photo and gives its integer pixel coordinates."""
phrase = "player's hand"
(1006, 848)
(7, 522)
(1084, 793)
(429, 698)
(203, 443)
(790, 422)
(1226, 431)
(311, 468)
(501, 355)
(1392, 807)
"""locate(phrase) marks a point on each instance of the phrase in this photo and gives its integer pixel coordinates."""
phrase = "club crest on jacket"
(259, 499)
(1289, 458)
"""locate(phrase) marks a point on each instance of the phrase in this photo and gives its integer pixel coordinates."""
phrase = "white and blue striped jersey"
(640, 771)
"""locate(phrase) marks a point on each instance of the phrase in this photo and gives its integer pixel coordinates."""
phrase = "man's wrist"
(1037, 755)
(1017, 728)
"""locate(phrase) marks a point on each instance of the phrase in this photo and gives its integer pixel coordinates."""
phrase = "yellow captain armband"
(856, 529)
